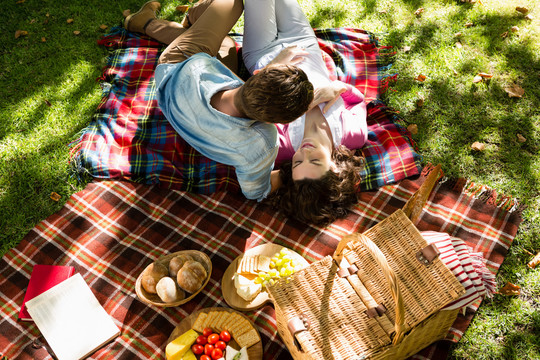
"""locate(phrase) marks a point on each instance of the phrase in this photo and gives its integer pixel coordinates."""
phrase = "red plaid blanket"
(111, 230)
(129, 138)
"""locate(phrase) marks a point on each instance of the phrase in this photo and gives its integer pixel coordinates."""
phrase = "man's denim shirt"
(184, 91)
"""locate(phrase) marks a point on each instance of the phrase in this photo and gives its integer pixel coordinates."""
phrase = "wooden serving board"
(153, 299)
(255, 351)
(227, 281)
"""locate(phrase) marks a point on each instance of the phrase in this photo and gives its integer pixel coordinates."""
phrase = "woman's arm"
(275, 180)
(329, 94)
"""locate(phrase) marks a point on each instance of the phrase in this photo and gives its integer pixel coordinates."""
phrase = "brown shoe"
(137, 22)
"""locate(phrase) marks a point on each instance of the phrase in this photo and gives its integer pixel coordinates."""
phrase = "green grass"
(63, 69)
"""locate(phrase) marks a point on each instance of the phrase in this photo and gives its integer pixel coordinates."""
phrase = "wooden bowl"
(153, 299)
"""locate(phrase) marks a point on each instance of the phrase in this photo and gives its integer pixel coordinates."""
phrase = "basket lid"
(425, 282)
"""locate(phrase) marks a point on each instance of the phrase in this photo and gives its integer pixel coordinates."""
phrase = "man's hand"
(328, 94)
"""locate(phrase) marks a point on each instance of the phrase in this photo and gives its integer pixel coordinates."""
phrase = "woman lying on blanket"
(321, 182)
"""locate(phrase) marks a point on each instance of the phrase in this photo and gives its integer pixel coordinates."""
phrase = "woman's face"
(311, 161)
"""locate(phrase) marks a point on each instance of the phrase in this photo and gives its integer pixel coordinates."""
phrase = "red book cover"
(43, 278)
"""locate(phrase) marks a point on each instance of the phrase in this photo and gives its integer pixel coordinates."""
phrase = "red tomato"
(225, 336)
(201, 340)
(213, 338)
(208, 349)
(207, 331)
(205, 357)
(197, 349)
(217, 354)
(221, 345)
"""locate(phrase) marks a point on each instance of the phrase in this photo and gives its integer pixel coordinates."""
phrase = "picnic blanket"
(112, 229)
(129, 138)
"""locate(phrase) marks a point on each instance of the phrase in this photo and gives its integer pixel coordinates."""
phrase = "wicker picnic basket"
(379, 297)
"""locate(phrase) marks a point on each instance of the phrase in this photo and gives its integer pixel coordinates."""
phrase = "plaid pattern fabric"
(111, 230)
(388, 152)
(129, 138)
(354, 57)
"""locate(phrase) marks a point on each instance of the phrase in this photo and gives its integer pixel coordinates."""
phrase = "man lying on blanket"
(238, 123)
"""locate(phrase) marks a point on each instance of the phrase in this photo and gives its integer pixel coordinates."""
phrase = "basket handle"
(413, 207)
(388, 273)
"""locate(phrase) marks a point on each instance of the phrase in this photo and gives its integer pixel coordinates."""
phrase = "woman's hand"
(328, 94)
(291, 55)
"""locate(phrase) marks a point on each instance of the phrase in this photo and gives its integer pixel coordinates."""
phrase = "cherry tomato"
(207, 331)
(221, 345)
(201, 340)
(217, 354)
(208, 349)
(205, 357)
(225, 336)
(197, 349)
(213, 338)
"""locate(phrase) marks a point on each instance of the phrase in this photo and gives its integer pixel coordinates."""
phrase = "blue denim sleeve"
(254, 177)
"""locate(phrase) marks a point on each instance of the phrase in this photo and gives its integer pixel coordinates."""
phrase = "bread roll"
(177, 262)
(191, 276)
(152, 275)
(168, 291)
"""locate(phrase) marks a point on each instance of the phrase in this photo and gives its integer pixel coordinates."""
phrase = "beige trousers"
(205, 30)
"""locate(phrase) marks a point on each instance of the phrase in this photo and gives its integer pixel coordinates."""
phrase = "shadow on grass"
(523, 342)
(462, 119)
(325, 12)
(41, 89)
(48, 76)
(457, 114)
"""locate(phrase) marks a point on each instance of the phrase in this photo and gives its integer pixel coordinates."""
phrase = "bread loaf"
(168, 291)
(152, 275)
(191, 276)
(177, 262)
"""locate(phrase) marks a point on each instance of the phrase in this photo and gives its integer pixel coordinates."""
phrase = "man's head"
(276, 94)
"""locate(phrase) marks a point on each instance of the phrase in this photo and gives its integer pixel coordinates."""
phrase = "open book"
(42, 279)
(71, 319)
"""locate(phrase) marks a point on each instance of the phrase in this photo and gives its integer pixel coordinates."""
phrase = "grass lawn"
(49, 93)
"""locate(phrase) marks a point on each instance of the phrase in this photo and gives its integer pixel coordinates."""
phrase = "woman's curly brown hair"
(323, 200)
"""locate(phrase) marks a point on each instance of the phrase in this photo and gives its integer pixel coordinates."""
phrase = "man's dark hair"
(277, 94)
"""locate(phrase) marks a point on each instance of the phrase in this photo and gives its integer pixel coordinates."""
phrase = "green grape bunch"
(282, 265)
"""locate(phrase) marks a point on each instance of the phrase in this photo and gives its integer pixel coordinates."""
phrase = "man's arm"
(255, 172)
(291, 55)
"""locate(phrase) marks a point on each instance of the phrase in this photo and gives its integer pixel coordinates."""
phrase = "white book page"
(71, 319)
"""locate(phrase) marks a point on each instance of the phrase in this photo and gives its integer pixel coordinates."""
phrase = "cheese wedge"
(249, 292)
(240, 280)
(230, 353)
(246, 287)
(176, 349)
(243, 354)
(189, 356)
